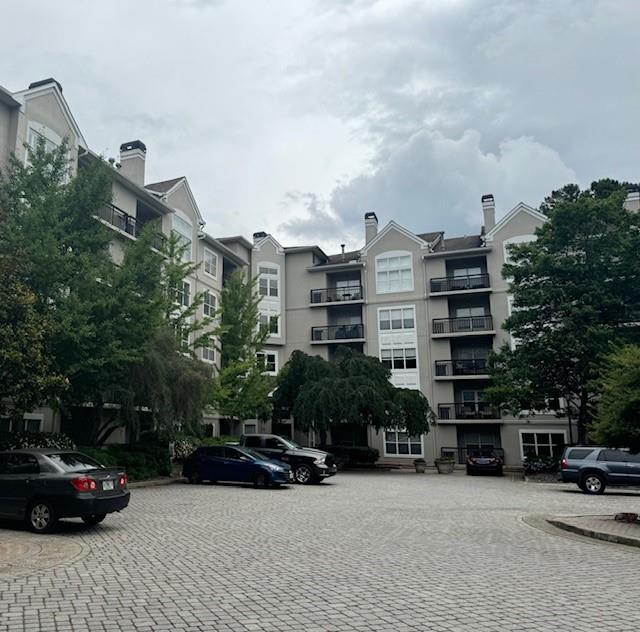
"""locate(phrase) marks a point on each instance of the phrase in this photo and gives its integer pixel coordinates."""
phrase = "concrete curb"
(591, 533)
(157, 482)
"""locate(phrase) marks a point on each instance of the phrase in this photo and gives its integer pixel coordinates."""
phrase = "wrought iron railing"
(456, 284)
(337, 332)
(337, 294)
(464, 324)
(118, 218)
(469, 410)
(446, 368)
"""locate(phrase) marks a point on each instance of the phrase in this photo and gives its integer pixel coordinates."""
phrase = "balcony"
(330, 295)
(462, 368)
(446, 285)
(121, 220)
(442, 327)
(469, 410)
(337, 333)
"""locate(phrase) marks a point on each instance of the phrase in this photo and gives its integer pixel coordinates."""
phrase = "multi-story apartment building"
(41, 111)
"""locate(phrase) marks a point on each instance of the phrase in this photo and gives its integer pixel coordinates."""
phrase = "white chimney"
(632, 201)
(132, 161)
(370, 226)
(488, 212)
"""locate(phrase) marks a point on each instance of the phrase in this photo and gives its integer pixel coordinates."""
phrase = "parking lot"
(367, 552)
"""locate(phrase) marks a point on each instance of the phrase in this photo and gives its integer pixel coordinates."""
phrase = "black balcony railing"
(118, 218)
(460, 454)
(462, 325)
(445, 368)
(469, 410)
(337, 294)
(456, 284)
(337, 332)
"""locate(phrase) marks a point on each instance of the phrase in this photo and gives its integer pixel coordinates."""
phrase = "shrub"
(141, 461)
(219, 440)
(540, 464)
(18, 440)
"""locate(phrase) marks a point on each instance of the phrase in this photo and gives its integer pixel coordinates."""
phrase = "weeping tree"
(355, 389)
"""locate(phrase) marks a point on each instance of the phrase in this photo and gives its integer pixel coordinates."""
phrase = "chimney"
(632, 201)
(370, 226)
(132, 160)
(258, 236)
(342, 247)
(488, 212)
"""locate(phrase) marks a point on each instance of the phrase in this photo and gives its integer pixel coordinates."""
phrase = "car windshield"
(74, 462)
(289, 443)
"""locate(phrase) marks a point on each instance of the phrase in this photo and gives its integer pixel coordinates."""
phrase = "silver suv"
(593, 469)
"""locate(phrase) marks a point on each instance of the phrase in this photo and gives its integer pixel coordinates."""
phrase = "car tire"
(261, 480)
(194, 478)
(41, 516)
(93, 519)
(499, 471)
(470, 472)
(303, 474)
(593, 483)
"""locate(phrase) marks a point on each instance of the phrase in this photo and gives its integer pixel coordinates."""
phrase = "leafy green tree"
(599, 189)
(355, 389)
(576, 294)
(241, 388)
(618, 419)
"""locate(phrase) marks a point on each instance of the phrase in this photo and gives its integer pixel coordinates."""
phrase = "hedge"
(141, 461)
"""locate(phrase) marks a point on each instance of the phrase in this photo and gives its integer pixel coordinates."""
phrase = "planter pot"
(444, 467)
(420, 467)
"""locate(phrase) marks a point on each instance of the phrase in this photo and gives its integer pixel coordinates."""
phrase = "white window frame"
(402, 309)
(269, 315)
(214, 258)
(208, 308)
(39, 417)
(536, 431)
(275, 361)
(45, 132)
(380, 289)
(250, 423)
(181, 294)
(404, 350)
(518, 239)
(272, 280)
(402, 456)
(187, 255)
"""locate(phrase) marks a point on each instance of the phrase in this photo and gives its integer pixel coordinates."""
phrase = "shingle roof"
(462, 243)
(429, 237)
(352, 255)
(164, 185)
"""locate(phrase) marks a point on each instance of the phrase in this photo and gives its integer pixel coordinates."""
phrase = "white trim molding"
(519, 208)
(400, 229)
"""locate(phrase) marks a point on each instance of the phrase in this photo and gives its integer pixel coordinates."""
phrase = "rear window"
(578, 454)
(74, 462)
(252, 442)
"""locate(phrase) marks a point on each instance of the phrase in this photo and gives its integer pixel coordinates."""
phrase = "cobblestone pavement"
(376, 552)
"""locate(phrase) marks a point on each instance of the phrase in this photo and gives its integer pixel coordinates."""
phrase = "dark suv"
(308, 465)
(593, 469)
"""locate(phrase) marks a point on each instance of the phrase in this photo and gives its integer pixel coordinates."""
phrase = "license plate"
(107, 485)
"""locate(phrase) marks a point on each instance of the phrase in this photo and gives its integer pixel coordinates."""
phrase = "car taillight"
(472, 459)
(564, 464)
(84, 484)
(124, 479)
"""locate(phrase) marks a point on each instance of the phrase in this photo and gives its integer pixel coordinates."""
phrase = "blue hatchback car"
(235, 464)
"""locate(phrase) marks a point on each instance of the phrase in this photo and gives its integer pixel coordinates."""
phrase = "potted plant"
(445, 465)
(420, 465)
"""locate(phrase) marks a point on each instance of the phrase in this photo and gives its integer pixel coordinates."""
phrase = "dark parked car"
(308, 465)
(235, 464)
(41, 486)
(485, 461)
(593, 469)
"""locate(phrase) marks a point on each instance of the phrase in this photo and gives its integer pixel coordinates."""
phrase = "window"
(252, 442)
(520, 239)
(273, 443)
(546, 443)
(399, 443)
(394, 273)
(209, 354)
(399, 358)
(464, 272)
(5, 424)
(183, 293)
(579, 454)
(211, 263)
(614, 456)
(269, 280)
(401, 318)
(270, 360)
(183, 230)
(184, 339)
(469, 312)
(209, 304)
(250, 427)
(29, 423)
(270, 322)
(74, 462)
(37, 133)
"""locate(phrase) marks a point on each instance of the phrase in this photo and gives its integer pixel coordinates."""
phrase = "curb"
(596, 535)
(156, 482)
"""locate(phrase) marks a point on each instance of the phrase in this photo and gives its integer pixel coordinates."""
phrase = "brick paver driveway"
(393, 551)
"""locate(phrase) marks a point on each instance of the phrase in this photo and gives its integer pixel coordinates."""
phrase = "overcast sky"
(297, 116)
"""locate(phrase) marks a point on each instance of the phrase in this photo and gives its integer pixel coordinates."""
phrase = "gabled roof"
(243, 241)
(519, 208)
(7, 98)
(292, 250)
(164, 186)
(401, 229)
(224, 250)
(351, 255)
(269, 239)
(463, 243)
(51, 86)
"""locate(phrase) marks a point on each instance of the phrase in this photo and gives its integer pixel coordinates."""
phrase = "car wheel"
(593, 484)
(93, 519)
(303, 474)
(41, 517)
(261, 480)
(194, 478)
